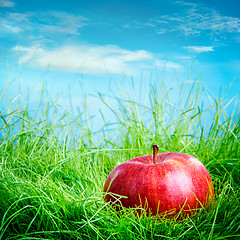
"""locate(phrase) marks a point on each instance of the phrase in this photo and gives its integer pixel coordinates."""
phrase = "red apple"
(161, 183)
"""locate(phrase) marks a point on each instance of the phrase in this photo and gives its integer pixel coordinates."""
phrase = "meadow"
(53, 165)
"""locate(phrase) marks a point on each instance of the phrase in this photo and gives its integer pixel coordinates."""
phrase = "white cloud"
(6, 27)
(61, 22)
(15, 23)
(192, 20)
(6, 3)
(167, 64)
(91, 59)
(199, 49)
(196, 19)
(47, 23)
(84, 59)
(212, 21)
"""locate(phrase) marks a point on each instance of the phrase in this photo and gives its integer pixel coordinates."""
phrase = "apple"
(165, 183)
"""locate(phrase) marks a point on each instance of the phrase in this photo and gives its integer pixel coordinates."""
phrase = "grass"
(53, 166)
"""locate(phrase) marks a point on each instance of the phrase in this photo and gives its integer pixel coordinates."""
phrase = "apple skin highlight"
(175, 182)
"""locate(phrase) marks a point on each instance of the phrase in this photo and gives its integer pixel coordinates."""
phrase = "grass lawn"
(53, 166)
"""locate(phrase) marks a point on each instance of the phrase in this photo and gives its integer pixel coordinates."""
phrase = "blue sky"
(84, 47)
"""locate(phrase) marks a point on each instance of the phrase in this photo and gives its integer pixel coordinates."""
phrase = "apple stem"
(155, 151)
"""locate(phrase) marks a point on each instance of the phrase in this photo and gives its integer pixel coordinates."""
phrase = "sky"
(78, 48)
